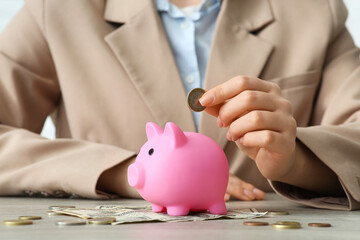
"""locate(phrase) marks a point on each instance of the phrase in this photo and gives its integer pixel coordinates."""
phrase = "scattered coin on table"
(257, 223)
(17, 222)
(273, 213)
(193, 99)
(287, 223)
(70, 222)
(51, 213)
(60, 207)
(285, 226)
(30, 217)
(319, 225)
(102, 221)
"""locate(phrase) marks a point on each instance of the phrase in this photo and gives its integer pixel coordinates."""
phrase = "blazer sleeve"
(334, 137)
(29, 92)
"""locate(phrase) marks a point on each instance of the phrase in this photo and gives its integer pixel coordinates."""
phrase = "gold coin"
(193, 99)
(285, 226)
(30, 217)
(60, 207)
(273, 213)
(287, 223)
(102, 221)
(258, 223)
(17, 222)
(70, 222)
(51, 213)
(319, 225)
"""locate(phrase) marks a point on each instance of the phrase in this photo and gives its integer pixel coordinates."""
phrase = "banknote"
(135, 214)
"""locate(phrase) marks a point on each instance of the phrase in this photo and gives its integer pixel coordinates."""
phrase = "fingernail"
(228, 136)
(250, 194)
(258, 192)
(206, 99)
(219, 122)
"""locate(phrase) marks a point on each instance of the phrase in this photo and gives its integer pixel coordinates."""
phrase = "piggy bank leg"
(157, 208)
(218, 208)
(178, 211)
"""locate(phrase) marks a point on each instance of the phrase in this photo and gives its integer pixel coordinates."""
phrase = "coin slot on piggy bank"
(179, 172)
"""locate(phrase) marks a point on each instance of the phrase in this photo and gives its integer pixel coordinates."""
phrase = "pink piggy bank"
(180, 171)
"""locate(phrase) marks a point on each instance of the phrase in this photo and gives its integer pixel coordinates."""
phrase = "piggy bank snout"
(136, 175)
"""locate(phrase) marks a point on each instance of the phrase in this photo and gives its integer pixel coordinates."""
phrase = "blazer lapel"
(236, 51)
(142, 48)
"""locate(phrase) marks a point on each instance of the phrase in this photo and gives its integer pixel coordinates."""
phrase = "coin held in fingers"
(193, 99)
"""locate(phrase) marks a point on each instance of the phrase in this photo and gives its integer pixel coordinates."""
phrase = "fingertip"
(207, 99)
(226, 197)
(259, 194)
(219, 122)
(249, 194)
(228, 136)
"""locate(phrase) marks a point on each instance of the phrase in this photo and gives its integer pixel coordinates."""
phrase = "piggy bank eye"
(151, 151)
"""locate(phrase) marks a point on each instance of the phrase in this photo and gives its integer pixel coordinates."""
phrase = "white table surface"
(345, 225)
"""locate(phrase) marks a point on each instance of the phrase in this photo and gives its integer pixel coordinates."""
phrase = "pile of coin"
(279, 225)
(27, 220)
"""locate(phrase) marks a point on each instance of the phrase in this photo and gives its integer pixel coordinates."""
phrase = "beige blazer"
(103, 69)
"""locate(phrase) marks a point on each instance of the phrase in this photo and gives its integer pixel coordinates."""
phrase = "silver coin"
(273, 213)
(60, 207)
(70, 222)
(193, 99)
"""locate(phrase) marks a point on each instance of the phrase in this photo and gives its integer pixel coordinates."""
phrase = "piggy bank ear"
(177, 136)
(152, 130)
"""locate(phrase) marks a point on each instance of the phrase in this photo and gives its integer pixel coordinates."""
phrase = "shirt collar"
(175, 12)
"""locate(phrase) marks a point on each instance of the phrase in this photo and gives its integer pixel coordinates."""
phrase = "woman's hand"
(259, 119)
(242, 190)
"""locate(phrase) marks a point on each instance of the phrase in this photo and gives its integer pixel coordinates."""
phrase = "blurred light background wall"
(8, 9)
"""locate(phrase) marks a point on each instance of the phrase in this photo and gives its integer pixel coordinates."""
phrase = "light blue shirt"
(190, 39)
